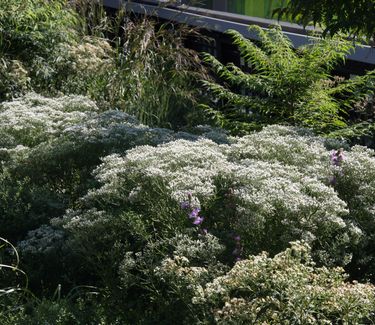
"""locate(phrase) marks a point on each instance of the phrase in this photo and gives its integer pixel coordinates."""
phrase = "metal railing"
(220, 21)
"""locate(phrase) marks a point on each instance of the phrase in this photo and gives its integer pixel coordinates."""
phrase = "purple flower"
(185, 205)
(237, 238)
(238, 259)
(198, 220)
(337, 157)
(205, 231)
(194, 214)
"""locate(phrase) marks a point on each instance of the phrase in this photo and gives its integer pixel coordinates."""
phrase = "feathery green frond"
(287, 85)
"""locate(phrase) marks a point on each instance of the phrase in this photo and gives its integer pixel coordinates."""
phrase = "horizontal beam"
(222, 21)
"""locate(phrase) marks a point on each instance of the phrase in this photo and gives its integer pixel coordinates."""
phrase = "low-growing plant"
(11, 291)
(285, 289)
(18, 305)
(260, 187)
(43, 171)
(151, 216)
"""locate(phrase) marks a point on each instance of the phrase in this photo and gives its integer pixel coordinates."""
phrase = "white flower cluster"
(278, 180)
(287, 287)
(188, 262)
(33, 119)
(92, 55)
(41, 241)
(81, 220)
(356, 184)
(287, 145)
(179, 267)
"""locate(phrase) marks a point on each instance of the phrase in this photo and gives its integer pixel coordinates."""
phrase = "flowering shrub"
(33, 119)
(355, 181)
(166, 273)
(14, 79)
(164, 224)
(156, 218)
(267, 196)
(43, 171)
(286, 289)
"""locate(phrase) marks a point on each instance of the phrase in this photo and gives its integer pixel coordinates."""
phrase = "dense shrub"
(270, 188)
(32, 29)
(152, 217)
(49, 149)
(14, 79)
(32, 32)
(287, 85)
(286, 289)
(354, 181)
(121, 223)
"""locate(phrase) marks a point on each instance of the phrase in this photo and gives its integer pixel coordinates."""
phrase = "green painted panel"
(256, 8)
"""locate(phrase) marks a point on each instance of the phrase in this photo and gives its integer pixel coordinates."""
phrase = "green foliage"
(43, 171)
(31, 33)
(56, 310)
(156, 220)
(148, 73)
(14, 79)
(135, 66)
(349, 16)
(286, 289)
(163, 74)
(285, 85)
(95, 198)
(32, 29)
(19, 306)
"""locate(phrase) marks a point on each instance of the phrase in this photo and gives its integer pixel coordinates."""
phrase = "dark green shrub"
(286, 85)
(33, 28)
(354, 18)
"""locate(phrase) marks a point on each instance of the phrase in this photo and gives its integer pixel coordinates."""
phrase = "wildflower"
(337, 157)
(185, 205)
(198, 220)
(194, 214)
